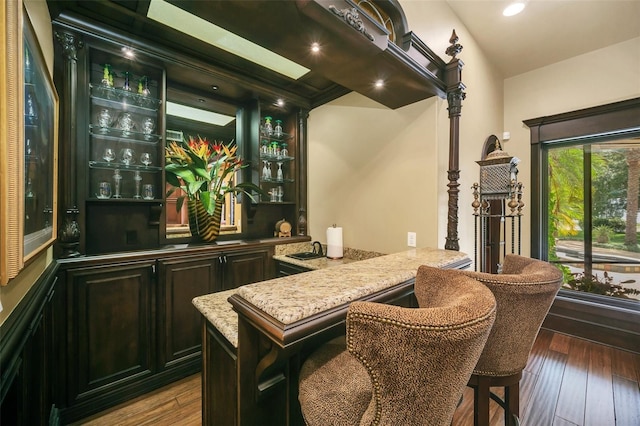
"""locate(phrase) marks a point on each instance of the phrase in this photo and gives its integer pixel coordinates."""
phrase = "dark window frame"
(606, 122)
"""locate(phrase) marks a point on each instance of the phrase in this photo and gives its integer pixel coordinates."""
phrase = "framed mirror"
(40, 147)
(28, 189)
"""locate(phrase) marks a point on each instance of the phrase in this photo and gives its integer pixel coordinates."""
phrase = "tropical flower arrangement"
(203, 170)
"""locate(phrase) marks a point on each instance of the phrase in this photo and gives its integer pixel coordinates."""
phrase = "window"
(592, 199)
(586, 173)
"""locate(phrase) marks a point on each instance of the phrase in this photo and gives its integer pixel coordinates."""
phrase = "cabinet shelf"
(124, 200)
(122, 166)
(276, 158)
(279, 203)
(111, 133)
(111, 96)
(271, 180)
(273, 138)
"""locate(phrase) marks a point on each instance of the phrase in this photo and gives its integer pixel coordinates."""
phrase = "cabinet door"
(124, 152)
(111, 335)
(179, 322)
(246, 268)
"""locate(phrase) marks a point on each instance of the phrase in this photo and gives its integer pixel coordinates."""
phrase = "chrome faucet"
(317, 248)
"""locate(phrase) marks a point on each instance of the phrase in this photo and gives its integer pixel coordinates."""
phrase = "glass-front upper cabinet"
(125, 125)
(277, 155)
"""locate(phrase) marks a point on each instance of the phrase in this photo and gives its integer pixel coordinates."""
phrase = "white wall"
(379, 173)
(595, 78)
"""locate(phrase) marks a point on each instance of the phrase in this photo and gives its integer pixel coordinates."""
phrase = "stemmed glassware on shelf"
(279, 175)
(147, 127)
(268, 127)
(138, 179)
(127, 156)
(277, 130)
(109, 155)
(145, 158)
(117, 178)
(126, 124)
(266, 170)
(104, 120)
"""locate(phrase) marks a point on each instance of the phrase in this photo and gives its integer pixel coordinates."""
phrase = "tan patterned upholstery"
(402, 366)
(524, 292)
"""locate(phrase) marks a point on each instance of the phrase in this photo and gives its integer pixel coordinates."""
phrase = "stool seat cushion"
(339, 399)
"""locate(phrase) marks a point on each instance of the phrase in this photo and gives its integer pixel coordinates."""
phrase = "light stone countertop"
(295, 297)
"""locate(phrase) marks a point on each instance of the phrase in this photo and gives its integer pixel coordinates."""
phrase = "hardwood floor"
(567, 382)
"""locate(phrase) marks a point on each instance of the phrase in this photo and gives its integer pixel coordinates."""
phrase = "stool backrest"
(524, 292)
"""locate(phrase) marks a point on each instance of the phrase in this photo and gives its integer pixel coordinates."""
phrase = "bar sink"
(306, 255)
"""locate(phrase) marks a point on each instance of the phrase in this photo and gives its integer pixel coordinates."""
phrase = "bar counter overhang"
(256, 337)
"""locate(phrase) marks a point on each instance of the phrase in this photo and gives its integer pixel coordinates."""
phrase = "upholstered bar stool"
(524, 292)
(401, 366)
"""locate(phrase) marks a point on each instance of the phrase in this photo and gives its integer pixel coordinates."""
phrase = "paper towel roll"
(334, 243)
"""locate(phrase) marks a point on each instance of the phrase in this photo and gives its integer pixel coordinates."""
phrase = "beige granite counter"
(292, 298)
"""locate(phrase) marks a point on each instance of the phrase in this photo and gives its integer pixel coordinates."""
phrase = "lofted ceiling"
(356, 55)
(547, 31)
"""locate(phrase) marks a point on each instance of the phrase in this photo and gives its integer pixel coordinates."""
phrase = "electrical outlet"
(411, 239)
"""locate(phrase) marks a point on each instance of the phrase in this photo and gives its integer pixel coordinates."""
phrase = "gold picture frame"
(28, 154)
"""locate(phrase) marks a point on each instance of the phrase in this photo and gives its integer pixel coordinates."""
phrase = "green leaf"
(182, 172)
(208, 202)
(196, 186)
(172, 180)
(179, 203)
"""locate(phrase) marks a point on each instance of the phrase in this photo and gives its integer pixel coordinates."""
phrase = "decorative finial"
(455, 48)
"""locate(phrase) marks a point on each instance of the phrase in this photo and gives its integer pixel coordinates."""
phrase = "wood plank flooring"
(567, 382)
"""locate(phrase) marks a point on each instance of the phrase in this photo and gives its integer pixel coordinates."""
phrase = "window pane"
(591, 236)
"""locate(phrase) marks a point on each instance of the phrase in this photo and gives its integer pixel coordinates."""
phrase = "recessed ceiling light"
(214, 87)
(379, 84)
(280, 102)
(128, 52)
(513, 9)
(315, 47)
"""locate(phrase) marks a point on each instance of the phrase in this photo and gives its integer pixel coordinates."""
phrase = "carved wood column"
(455, 96)
(69, 230)
(302, 225)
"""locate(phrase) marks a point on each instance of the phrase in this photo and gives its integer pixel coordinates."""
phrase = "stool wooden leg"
(512, 404)
(481, 400)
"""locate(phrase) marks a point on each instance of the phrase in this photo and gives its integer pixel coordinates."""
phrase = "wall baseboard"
(616, 324)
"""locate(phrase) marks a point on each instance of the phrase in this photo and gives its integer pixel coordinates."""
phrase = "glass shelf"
(268, 157)
(111, 133)
(111, 96)
(271, 180)
(114, 165)
(272, 137)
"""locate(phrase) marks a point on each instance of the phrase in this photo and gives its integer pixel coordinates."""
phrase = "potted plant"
(204, 171)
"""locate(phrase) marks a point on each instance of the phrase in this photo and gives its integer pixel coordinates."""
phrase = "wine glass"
(126, 124)
(279, 175)
(265, 170)
(104, 120)
(277, 131)
(109, 155)
(147, 127)
(145, 158)
(127, 156)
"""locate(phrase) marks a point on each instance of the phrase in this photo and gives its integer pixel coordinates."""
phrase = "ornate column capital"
(70, 44)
